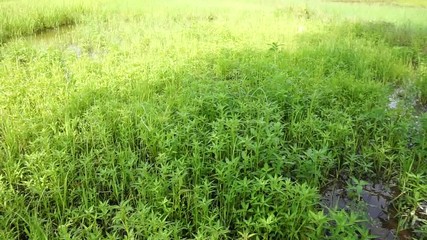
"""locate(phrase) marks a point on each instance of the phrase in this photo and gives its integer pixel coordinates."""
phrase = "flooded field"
(213, 119)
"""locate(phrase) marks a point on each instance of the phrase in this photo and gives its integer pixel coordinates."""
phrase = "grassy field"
(209, 119)
(404, 3)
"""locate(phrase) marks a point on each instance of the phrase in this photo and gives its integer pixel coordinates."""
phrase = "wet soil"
(375, 199)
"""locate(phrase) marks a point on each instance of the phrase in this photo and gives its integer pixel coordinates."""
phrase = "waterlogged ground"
(375, 199)
(213, 120)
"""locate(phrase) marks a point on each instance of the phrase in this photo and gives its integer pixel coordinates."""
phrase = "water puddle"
(395, 98)
(91, 53)
(74, 49)
(420, 108)
(373, 198)
(407, 99)
(61, 35)
(62, 38)
(50, 35)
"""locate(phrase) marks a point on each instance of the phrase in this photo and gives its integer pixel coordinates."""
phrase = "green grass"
(374, 11)
(206, 120)
(23, 17)
(406, 3)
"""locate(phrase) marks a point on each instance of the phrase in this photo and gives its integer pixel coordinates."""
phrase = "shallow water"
(64, 37)
(376, 200)
(50, 35)
(395, 98)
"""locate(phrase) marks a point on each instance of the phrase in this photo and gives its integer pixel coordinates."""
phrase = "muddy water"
(50, 34)
(375, 199)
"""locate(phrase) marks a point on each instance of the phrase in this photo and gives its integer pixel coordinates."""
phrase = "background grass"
(207, 120)
(411, 3)
(23, 17)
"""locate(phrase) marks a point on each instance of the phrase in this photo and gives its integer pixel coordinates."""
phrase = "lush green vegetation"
(24, 17)
(414, 3)
(207, 119)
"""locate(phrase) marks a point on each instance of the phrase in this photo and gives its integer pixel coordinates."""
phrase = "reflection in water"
(50, 35)
(376, 199)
